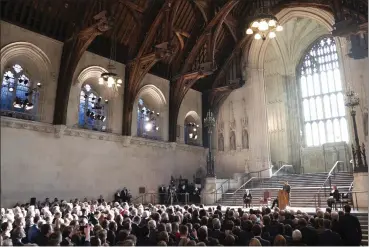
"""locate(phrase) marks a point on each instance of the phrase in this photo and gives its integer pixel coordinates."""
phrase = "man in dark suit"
(256, 229)
(327, 237)
(309, 234)
(216, 232)
(350, 228)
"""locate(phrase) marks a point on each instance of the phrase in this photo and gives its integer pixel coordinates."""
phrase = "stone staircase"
(363, 218)
(304, 187)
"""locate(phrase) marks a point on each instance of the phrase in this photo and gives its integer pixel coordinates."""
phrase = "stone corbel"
(59, 130)
(126, 141)
(173, 145)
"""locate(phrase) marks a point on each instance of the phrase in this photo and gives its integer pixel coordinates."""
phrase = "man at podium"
(287, 188)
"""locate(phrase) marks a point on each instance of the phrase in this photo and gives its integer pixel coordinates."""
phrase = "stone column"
(360, 191)
(207, 193)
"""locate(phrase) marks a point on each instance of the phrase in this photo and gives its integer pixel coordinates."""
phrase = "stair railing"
(285, 166)
(331, 173)
(250, 180)
(221, 189)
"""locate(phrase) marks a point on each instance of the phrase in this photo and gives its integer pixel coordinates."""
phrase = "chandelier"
(192, 130)
(111, 78)
(264, 25)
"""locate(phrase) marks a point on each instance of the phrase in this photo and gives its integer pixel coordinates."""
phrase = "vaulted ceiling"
(193, 43)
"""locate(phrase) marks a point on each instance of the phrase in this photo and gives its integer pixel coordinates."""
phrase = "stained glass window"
(92, 110)
(147, 122)
(16, 87)
(322, 97)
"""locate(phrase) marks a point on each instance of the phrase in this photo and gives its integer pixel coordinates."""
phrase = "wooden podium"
(282, 199)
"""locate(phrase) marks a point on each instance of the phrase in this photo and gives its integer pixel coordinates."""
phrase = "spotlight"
(11, 89)
(190, 135)
(119, 81)
(194, 129)
(148, 127)
(18, 103)
(157, 113)
(39, 84)
(101, 81)
(29, 106)
(197, 126)
(106, 101)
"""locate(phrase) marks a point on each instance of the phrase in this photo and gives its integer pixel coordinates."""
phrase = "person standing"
(287, 188)
(350, 228)
(247, 198)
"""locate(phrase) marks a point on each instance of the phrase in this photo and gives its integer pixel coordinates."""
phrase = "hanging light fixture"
(111, 78)
(263, 24)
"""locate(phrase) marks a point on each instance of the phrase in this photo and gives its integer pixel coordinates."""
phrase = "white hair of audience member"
(317, 209)
(151, 224)
(145, 214)
(335, 215)
(135, 212)
(236, 214)
(299, 212)
(2, 211)
(320, 214)
(168, 227)
(253, 217)
(7, 242)
(216, 223)
(205, 228)
(296, 235)
(164, 217)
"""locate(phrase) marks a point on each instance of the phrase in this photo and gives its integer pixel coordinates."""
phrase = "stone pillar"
(360, 198)
(207, 195)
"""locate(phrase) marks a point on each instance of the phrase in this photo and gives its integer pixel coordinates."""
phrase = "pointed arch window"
(321, 95)
(19, 95)
(92, 110)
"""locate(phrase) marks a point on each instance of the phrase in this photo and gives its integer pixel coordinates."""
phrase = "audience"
(100, 223)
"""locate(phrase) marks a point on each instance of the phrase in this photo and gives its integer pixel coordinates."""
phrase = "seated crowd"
(100, 223)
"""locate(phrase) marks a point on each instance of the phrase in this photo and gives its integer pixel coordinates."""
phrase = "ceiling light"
(249, 31)
(272, 35)
(263, 26)
(255, 24)
(190, 135)
(101, 81)
(279, 28)
(257, 36)
(194, 129)
(272, 23)
(39, 84)
(119, 81)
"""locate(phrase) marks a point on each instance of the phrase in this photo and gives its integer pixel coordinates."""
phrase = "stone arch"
(258, 49)
(194, 115)
(154, 99)
(38, 67)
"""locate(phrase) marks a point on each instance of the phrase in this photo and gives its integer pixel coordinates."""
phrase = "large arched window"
(147, 121)
(19, 97)
(92, 110)
(322, 95)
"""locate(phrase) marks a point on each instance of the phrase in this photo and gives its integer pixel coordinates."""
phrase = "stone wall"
(85, 163)
(271, 100)
(41, 160)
